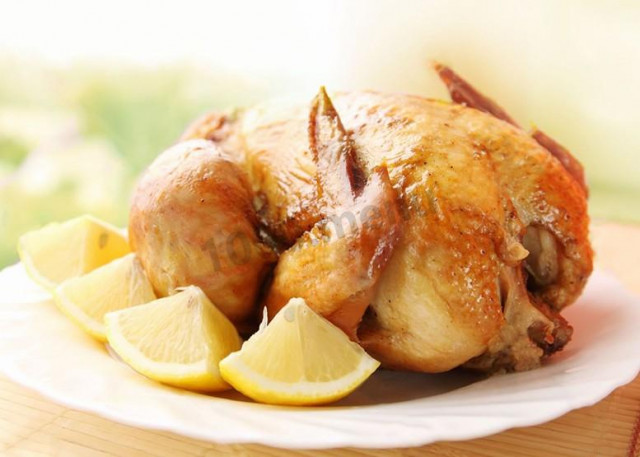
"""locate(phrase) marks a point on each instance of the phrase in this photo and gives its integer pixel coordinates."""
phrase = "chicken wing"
(334, 267)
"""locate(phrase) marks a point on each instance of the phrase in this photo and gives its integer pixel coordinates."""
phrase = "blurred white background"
(572, 67)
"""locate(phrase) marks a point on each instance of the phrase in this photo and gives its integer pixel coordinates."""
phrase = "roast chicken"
(435, 234)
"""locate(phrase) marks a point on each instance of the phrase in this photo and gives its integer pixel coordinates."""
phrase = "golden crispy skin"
(543, 261)
(192, 223)
(336, 265)
(465, 94)
(484, 207)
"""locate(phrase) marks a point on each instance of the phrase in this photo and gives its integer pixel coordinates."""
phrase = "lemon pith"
(299, 359)
(177, 340)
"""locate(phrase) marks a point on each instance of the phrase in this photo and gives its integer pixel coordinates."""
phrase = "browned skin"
(570, 163)
(336, 265)
(546, 267)
(339, 177)
(465, 94)
(473, 191)
(468, 164)
(192, 223)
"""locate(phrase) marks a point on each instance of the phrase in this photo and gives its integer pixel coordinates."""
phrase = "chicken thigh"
(191, 223)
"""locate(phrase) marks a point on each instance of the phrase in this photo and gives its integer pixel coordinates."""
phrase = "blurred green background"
(87, 100)
(73, 140)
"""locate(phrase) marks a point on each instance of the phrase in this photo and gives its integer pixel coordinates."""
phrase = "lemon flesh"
(177, 340)
(60, 251)
(300, 358)
(119, 284)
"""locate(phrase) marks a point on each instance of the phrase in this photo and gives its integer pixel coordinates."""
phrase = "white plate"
(42, 350)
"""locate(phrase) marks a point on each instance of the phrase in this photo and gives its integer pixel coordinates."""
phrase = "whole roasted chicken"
(434, 234)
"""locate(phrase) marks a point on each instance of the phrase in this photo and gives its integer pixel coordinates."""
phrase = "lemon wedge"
(177, 340)
(114, 286)
(300, 358)
(60, 251)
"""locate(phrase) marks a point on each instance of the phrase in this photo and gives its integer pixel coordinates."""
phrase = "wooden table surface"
(31, 425)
